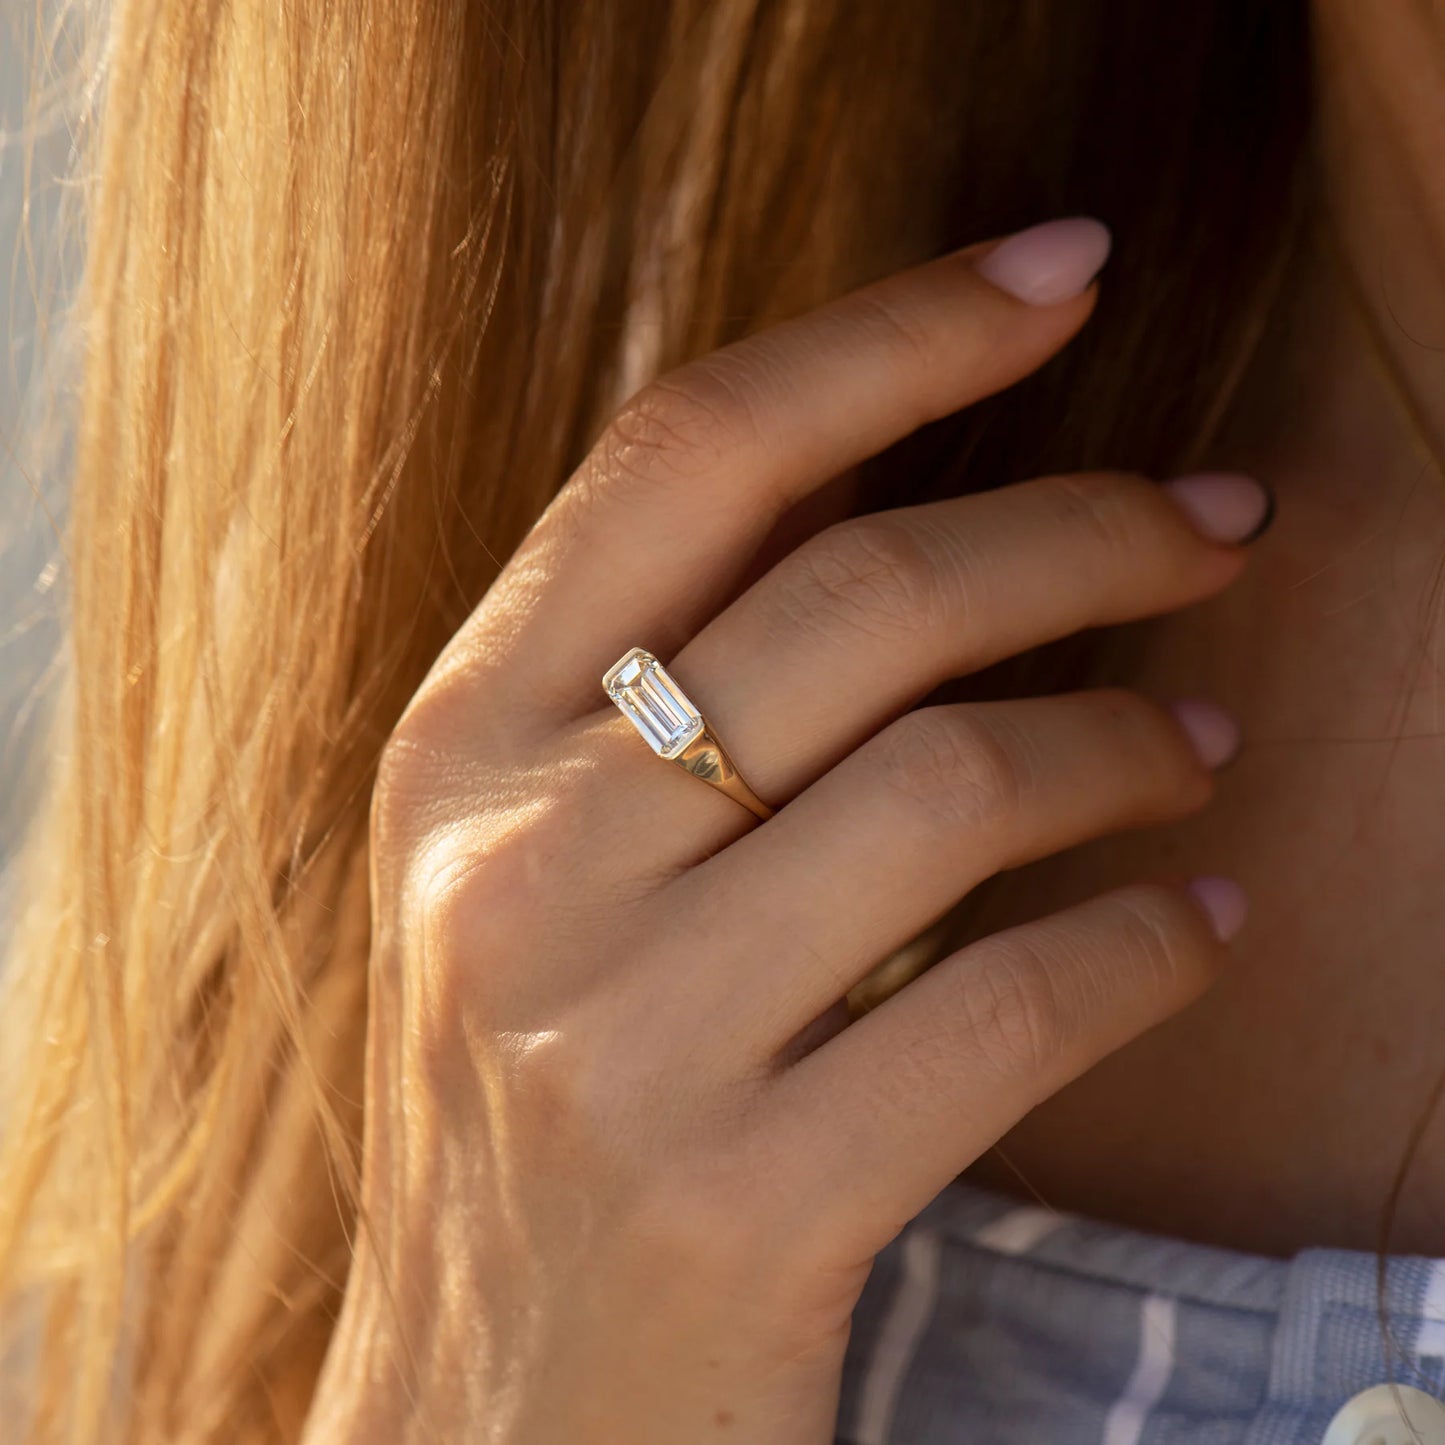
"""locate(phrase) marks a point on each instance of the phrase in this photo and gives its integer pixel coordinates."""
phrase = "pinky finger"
(899, 1103)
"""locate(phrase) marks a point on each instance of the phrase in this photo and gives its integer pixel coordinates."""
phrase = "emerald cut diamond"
(659, 709)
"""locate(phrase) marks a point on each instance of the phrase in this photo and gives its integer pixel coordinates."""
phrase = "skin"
(596, 1213)
(1275, 1113)
(625, 1170)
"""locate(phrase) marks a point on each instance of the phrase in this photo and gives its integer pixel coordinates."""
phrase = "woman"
(397, 1050)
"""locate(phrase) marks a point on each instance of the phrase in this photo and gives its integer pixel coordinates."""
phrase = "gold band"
(650, 698)
(706, 758)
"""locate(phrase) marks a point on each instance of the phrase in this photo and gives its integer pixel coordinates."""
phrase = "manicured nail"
(1224, 904)
(1224, 506)
(1049, 263)
(1213, 732)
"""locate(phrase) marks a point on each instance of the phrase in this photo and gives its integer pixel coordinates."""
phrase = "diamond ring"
(673, 727)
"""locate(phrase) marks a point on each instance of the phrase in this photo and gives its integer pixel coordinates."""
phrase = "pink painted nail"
(1224, 903)
(1224, 506)
(1213, 731)
(1049, 263)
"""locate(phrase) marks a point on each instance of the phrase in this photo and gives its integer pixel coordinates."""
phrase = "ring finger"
(872, 614)
(864, 619)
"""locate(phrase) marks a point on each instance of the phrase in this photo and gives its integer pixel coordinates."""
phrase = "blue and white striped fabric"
(989, 1322)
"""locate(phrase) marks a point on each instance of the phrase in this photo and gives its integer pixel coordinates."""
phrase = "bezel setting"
(647, 694)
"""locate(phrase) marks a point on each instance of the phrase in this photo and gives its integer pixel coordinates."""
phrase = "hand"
(625, 1167)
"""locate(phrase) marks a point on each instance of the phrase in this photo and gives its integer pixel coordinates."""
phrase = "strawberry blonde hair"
(363, 280)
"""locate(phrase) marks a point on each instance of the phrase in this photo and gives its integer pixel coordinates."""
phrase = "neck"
(1277, 1112)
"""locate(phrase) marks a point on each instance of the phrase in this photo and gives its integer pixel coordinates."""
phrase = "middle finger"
(872, 614)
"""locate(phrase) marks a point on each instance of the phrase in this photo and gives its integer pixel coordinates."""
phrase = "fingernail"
(1224, 506)
(1224, 904)
(1049, 263)
(1213, 731)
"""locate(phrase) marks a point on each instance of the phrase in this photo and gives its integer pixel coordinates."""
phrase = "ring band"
(673, 727)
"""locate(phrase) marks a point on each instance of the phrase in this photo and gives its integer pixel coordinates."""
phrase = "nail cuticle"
(1265, 522)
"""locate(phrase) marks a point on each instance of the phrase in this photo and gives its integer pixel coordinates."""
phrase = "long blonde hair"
(363, 280)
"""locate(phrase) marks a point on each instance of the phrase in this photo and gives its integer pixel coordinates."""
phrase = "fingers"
(896, 1105)
(873, 613)
(641, 545)
(802, 908)
(862, 620)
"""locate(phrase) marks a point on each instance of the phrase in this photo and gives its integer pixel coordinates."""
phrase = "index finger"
(644, 541)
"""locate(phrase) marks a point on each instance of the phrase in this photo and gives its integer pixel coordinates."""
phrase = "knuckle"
(553, 1054)
(478, 897)
(430, 773)
(433, 950)
(872, 575)
(893, 322)
(462, 903)
(1104, 508)
(1014, 1017)
(567, 1087)
(563, 1081)
(954, 766)
(1155, 937)
(676, 427)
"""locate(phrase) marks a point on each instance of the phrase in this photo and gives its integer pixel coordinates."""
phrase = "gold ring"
(674, 728)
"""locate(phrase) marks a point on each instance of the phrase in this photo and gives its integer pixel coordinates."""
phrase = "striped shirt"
(991, 1322)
